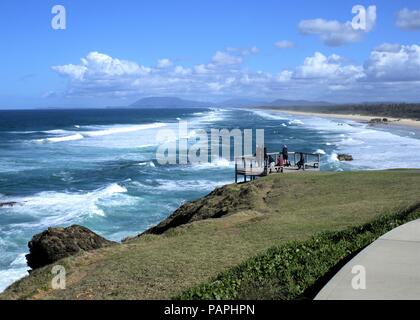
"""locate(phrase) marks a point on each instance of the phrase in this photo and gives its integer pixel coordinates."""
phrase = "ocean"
(98, 168)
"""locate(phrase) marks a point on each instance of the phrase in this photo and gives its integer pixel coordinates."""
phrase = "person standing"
(301, 163)
(285, 153)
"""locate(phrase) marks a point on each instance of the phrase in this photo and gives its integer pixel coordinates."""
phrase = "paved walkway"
(392, 267)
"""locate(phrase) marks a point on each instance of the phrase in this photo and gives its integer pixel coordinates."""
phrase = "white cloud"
(394, 63)
(215, 86)
(182, 70)
(388, 47)
(243, 51)
(408, 19)
(99, 74)
(284, 44)
(319, 76)
(223, 58)
(254, 50)
(99, 63)
(284, 76)
(164, 63)
(329, 68)
(334, 33)
(201, 69)
(96, 65)
(75, 72)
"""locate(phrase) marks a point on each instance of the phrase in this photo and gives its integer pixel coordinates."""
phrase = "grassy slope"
(297, 269)
(275, 209)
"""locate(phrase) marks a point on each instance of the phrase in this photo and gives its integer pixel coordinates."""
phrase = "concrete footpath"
(389, 268)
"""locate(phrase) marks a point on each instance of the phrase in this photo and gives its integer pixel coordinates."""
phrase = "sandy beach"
(355, 117)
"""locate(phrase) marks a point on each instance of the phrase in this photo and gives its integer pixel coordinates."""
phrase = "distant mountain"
(169, 102)
(231, 103)
(276, 103)
(174, 102)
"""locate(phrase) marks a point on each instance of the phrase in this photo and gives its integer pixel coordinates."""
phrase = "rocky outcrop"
(57, 243)
(344, 157)
(204, 208)
(378, 120)
(221, 202)
(7, 204)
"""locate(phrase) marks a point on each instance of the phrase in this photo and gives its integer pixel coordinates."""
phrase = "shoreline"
(355, 117)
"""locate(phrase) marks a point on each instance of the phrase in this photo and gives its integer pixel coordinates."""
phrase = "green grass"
(266, 213)
(293, 270)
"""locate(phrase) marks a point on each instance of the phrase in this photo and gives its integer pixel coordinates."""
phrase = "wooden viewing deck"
(259, 166)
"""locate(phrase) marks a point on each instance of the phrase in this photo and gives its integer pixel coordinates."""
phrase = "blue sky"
(208, 50)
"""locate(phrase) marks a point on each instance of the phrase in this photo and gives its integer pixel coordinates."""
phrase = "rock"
(375, 120)
(201, 209)
(57, 243)
(219, 203)
(378, 120)
(344, 157)
(7, 204)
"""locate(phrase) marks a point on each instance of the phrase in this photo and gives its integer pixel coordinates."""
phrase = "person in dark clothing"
(266, 163)
(301, 162)
(285, 153)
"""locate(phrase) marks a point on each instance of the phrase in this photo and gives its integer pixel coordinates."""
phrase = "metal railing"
(255, 166)
(310, 160)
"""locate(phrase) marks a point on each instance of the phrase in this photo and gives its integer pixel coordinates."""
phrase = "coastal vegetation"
(394, 110)
(252, 240)
(299, 269)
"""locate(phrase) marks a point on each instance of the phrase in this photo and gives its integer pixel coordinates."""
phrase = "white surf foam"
(271, 115)
(56, 131)
(333, 157)
(184, 185)
(320, 151)
(19, 261)
(95, 131)
(72, 137)
(296, 122)
(122, 129)
(52, 208)
(212, 116)
(144, 146)
(219, 163)
(8, 276)
(370, 148)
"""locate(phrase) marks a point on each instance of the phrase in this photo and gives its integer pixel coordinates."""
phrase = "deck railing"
(311, 160)
(256, 166)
